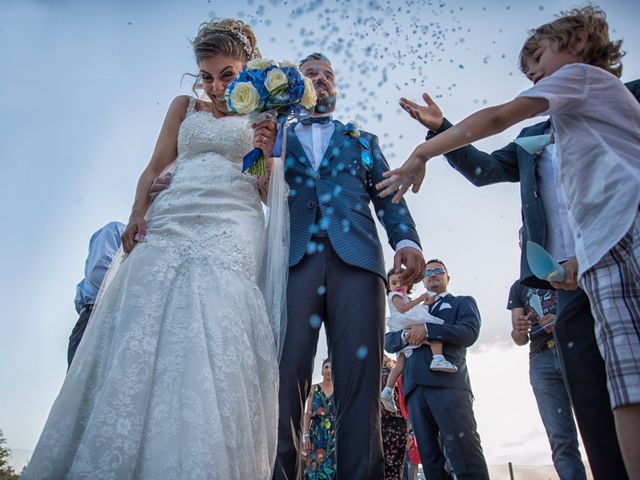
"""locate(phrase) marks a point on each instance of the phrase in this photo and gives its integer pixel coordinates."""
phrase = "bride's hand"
(264, 136)
(134, 233)
(428, 115)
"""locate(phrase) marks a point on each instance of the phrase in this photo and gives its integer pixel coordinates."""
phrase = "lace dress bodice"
(210, 204)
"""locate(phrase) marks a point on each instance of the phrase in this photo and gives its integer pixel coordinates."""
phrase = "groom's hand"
(413, 262)
(428, 115)
(264, 136)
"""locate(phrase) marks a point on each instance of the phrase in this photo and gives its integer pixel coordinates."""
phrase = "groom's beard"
(326, 99)
(325, 104)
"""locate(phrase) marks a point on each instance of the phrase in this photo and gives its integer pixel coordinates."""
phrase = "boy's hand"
(570, 281)
(398, 181)
(428, 115)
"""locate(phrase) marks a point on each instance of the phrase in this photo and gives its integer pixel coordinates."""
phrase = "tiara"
(246, 44)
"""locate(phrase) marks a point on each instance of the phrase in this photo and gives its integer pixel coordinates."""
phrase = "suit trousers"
(444, 424)
(350, 302)
(584, 375)
(78, 332)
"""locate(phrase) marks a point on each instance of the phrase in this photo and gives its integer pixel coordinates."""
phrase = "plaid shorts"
(613, 287)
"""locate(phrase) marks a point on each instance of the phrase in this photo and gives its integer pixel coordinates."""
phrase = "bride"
(177, 376)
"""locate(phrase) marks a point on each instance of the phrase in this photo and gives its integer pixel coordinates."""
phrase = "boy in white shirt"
(596, 127)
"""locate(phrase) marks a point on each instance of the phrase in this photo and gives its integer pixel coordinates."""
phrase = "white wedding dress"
(177, 376)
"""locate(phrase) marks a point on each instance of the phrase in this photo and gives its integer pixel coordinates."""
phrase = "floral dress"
(321, 463)
(394, 434)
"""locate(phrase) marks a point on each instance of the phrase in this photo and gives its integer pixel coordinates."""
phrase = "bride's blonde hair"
(230, 37)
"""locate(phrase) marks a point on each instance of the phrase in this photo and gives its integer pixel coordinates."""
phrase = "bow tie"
(311, 120)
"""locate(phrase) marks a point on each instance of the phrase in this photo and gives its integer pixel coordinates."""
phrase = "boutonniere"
(365, 155)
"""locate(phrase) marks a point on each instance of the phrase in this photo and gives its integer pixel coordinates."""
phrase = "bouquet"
(268, 86)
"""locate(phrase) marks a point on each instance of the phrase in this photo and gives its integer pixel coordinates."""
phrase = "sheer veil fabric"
(177, 374)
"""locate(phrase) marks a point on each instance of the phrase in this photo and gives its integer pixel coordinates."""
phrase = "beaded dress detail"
(177, 376)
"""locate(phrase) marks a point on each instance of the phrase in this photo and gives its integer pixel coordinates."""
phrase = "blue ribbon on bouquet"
(256, 154)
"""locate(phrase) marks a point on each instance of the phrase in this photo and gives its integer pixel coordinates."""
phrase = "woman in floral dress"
(318, 430)
(394, 432)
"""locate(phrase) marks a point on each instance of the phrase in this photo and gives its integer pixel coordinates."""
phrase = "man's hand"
(413, 262)
(522, 323)
(428, 115)
(264, 136)
(570, 281)
(410, 174)
(415, 334)
(546, 322)
(159, 184)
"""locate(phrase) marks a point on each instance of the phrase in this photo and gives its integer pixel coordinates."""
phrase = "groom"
(337, 276)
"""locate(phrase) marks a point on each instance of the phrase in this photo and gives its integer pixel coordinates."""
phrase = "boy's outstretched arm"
(481, 124)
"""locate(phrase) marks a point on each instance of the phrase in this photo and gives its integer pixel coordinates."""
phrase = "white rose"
(244, 98)
(275, 80)
(309, 97)
(287, 63)
(259, 64)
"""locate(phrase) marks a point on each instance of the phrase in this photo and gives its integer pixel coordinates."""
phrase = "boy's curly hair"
(599, 50)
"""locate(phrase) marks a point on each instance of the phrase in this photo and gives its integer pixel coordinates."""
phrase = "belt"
(549, 345)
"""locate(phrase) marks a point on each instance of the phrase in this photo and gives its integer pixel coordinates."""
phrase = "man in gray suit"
(336, 278)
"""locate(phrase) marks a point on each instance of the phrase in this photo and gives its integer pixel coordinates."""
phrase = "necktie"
(435, 305)
(310, 120)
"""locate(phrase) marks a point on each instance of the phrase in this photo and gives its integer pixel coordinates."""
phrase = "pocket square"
(444, 306)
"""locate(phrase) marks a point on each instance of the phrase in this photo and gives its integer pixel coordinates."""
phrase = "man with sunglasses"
(441, 404)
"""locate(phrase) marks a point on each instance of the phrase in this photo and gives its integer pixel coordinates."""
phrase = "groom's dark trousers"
(350, 302)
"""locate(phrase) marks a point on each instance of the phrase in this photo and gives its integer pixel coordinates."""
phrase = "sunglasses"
(437, 271)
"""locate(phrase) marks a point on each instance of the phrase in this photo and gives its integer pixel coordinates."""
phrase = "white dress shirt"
(103, 246)
(559, 239)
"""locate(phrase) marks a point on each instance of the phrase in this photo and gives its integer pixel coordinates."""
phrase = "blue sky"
(84, 89)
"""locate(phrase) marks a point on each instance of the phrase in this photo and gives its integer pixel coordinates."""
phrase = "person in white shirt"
(596, 127)
(103, 246)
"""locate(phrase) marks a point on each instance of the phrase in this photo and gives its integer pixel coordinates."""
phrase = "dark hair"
(393, 272)
(436, 260)
(325, 361)
(314, 56)
(599, 50)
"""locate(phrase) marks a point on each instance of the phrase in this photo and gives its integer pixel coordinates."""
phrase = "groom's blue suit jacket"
(514, 164)
(337, 197)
